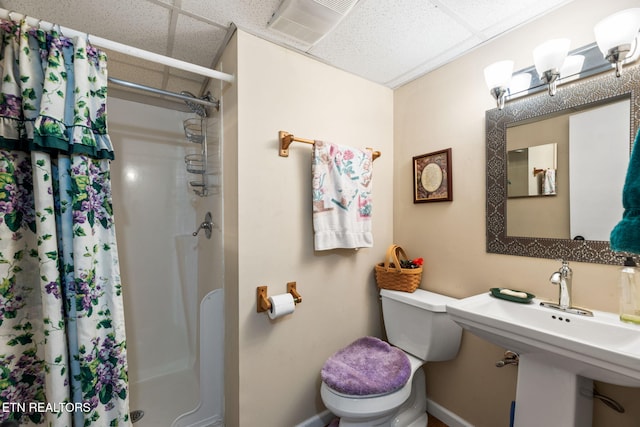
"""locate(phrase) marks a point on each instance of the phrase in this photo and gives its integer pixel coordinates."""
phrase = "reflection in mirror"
(598, 158)
(590, 167)
(531, 171)
(598, 118)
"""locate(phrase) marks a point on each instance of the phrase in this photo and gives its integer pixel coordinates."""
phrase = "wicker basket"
(389, 274)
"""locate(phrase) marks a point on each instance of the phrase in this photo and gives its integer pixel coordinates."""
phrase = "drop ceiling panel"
(381, 39)
(433, 62)
(252, 14)
(137, 23)
(135, 74)
(494, 16)
(174, 72)
(178, 84)
(135, 70)
(196, 41)
(117, 57)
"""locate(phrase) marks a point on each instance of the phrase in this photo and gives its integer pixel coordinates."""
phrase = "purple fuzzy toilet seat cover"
(367, 366)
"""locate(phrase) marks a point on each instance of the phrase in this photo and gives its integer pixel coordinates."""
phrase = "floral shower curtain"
(62, 337)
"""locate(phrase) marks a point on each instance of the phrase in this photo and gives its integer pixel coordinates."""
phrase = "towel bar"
(536, 171)
(286, 139)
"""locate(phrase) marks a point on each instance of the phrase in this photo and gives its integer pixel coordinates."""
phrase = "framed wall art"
(432, 177)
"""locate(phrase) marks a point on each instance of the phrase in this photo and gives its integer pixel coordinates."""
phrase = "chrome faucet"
(562, 278)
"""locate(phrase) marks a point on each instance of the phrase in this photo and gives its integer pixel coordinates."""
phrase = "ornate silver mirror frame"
(599, 89)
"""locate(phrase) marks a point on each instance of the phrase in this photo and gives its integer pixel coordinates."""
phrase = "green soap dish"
(496, 293)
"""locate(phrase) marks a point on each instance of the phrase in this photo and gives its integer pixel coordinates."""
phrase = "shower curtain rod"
(214, 104)
(126, 49)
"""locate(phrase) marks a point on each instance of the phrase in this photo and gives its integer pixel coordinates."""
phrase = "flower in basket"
(414, 263)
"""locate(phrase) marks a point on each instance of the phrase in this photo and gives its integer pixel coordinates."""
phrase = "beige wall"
(278, 362)
(446, 108)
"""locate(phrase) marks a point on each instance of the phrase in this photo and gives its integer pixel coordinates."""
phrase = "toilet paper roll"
(281, 305)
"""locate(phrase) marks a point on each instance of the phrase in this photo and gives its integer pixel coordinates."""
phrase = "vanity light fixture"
(548, 59)
(617, 35)
(498, 77)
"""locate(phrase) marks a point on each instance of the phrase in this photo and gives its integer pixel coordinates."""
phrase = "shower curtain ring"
(58, 29)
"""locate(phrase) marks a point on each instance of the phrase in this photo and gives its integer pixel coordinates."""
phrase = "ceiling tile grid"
(390, 42)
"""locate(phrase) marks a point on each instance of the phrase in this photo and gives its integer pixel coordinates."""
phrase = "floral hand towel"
(341, 188)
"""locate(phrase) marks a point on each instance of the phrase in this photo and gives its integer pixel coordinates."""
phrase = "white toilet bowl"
(375, 410)
(417, 324)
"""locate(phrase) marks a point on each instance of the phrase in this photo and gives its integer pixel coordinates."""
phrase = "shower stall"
(172, 280)
(163, 183)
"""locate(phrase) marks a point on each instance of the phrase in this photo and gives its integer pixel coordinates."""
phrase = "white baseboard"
(319, 420)
(445, 415)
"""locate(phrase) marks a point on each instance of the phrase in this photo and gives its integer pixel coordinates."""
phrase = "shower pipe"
(186, 98)
(123, 48)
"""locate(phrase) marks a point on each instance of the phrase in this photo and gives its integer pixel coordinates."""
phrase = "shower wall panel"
(154, 220)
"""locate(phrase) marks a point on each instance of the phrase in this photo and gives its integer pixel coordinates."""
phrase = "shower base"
(164, 398)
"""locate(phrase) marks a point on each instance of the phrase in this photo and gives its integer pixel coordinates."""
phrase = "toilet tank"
(419, 324)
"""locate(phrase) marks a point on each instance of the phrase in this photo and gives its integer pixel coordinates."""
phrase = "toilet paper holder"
(263, 303)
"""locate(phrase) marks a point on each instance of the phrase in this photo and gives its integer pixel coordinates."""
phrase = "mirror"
(593, 156)
(570, 213)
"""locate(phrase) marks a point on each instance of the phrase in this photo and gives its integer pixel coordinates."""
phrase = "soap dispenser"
(630, 292)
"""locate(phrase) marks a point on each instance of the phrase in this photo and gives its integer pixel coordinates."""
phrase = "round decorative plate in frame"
(432, 177)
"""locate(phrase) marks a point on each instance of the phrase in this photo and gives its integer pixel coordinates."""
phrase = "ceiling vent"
(309, 20)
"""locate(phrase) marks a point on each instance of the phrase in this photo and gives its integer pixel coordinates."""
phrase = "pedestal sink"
(560, 355)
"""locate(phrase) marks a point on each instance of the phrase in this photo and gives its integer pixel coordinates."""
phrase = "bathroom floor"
(433, 422)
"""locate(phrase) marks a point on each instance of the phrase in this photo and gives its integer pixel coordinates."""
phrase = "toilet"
(417, 328)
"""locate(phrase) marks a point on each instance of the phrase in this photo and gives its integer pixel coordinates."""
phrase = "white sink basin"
(600, 347)
(560, 355)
